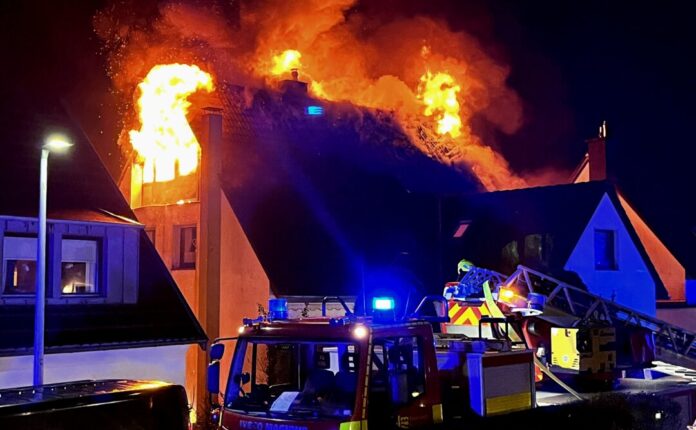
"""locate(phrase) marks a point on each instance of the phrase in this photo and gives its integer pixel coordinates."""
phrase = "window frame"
(614, 264)
(419, 365)
(100, 263)
(3, 269)
(177, 255)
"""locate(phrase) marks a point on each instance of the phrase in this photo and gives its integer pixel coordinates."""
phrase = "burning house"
(310, 160)
(294, 197)
(111, 304)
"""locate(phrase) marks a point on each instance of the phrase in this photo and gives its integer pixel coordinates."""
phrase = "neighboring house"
(113, 310)
(579, 233)
(667, 237)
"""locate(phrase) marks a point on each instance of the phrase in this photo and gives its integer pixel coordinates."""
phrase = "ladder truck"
(580, 336)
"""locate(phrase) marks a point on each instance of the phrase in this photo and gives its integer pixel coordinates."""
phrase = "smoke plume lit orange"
(436, 82)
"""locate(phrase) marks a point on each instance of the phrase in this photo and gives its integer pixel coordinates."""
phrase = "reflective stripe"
(354, 425)
(437, 414)
(511, 403)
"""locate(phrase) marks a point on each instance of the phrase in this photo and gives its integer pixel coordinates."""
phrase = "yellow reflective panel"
(438, 418)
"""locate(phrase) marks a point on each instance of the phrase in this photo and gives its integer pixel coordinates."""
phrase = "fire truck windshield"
(293, 379)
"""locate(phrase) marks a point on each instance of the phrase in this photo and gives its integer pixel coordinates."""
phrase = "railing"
(675, 345)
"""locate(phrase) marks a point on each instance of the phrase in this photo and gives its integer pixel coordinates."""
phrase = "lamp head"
(57, 142)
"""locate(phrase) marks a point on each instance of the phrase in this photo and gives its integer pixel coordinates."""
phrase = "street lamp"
(53, 143)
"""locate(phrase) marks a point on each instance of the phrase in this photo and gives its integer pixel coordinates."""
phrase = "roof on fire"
(81, 189)
(334, 201)
(557, 215)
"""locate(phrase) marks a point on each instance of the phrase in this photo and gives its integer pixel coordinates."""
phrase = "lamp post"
(55, 143)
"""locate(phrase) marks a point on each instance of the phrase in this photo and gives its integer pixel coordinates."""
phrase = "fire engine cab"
(341, 373)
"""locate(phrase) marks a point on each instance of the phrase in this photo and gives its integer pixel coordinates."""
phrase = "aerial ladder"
(587, 333)
(673, 344)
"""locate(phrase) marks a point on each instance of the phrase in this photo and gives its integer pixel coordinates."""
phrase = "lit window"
(461, 229)
(78, 267)
(19, 261)
(605, 250)
(185, 251)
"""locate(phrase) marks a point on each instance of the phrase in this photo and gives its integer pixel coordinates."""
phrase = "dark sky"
(574, 64)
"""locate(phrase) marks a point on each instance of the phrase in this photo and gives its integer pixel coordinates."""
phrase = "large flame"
(439, 94)
(286, 62)
(165, 142)
(345, 53)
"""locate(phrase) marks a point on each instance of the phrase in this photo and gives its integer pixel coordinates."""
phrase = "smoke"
(347, 55)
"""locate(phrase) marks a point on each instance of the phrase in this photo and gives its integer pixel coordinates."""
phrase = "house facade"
(578, 233)
(669, 243)
(112, 308)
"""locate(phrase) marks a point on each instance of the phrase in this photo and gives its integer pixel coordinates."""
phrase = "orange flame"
(286, 61)
(165, 140)
(439, 94)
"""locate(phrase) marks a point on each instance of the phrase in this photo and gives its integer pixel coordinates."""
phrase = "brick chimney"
(597, 154)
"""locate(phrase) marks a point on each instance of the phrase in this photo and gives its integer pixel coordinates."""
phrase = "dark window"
(79, 266)
(397, 374)
(605, 250)
(185, 252)
(19, 262)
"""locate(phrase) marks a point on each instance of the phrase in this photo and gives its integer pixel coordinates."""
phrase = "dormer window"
(86, 262)
(79, 267)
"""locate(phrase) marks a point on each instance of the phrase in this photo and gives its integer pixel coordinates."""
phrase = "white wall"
(163, 363)
(632, 284)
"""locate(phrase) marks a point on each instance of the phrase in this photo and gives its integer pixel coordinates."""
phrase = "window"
(185, 247)
(397, 375)
(294, 380)
(19, 262)
(461, 229)
(150, 232)
(605, 250)
(79, 266)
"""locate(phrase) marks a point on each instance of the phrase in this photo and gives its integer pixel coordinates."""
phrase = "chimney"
(208, 255)
(293, 88)
(597, 153)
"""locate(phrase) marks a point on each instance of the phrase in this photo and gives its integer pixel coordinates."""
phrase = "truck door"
(397, 384)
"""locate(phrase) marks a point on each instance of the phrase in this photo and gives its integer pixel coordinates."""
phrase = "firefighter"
(464, 266)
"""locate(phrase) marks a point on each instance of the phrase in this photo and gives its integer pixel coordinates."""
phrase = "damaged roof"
(81, 190)
(328, 201)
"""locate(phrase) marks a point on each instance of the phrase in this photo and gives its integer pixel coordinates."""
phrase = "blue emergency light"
(314, 110)
(277, 309)
(383, 303)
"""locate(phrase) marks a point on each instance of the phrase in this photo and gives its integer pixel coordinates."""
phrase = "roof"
(81, 190)
(557, 215)
(329, 202)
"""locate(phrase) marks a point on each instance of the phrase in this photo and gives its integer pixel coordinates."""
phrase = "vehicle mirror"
(241, 378)
(217, 351)
(213, 382)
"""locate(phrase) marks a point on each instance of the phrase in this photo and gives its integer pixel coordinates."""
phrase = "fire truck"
(584, 338)
(388, 370)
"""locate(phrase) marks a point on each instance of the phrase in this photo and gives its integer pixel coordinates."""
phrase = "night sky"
(573, 63)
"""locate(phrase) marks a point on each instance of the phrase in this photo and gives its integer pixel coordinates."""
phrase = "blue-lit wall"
(631, 284)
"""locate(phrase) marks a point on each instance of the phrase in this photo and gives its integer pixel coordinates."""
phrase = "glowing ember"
(165, 141)
(285, 62)
(439, 94)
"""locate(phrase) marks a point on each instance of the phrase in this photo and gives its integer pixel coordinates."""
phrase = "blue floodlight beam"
(383, 303)
(314, 110)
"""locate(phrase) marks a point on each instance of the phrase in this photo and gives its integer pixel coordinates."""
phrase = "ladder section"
(674, 344)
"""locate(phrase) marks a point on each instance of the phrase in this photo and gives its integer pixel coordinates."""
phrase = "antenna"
(603, 130)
